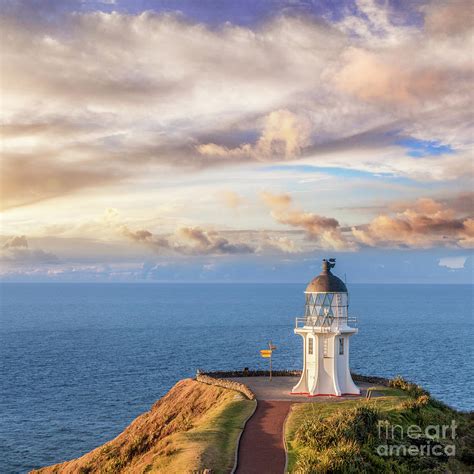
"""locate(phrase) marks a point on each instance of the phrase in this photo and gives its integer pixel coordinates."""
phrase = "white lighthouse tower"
(325, 331)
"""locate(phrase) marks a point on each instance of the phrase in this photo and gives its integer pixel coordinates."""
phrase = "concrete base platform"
(279, 389)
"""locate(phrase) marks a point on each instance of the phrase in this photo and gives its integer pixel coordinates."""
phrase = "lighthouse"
(326, 333)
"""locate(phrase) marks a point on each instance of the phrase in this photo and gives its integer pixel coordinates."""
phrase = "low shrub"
(416, 404)
(412, 389)
(358, 425)
(343, 457)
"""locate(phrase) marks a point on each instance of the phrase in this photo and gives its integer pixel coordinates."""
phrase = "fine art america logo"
(433, 440)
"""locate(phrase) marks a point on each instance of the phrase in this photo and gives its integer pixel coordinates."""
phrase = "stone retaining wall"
(222, 382)
(370, 379)
(220, 378)
(251, 373)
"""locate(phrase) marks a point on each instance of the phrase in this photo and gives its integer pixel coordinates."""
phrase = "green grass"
(211, 444)
(342, 436)
(219, 435)
(390, 400)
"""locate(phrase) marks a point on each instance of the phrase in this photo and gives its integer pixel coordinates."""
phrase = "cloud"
(283, 244)
(231, 199)
(195, 241)
(208, 242)
(278, 201)
(16, 251)
(142, 235)
(453, 263)
(188, 241)
(448, 18)
(284, 136)
(140, 93)
(27, 179)
(18, 241)
(325, 230)
(371, 22)
(462, 203)
(369, 76)
(423, 224)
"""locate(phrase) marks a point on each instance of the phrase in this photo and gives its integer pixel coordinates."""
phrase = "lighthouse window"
(310, 345)
(341, 346)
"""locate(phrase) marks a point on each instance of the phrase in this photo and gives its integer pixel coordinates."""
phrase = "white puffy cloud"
(284, 136)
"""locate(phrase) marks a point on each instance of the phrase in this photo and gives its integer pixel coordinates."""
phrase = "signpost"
(267, 354)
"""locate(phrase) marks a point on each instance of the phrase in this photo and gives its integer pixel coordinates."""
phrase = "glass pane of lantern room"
(336, 302)
(327, 301)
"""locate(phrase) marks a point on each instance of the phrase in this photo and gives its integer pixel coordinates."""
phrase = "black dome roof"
(326, 282)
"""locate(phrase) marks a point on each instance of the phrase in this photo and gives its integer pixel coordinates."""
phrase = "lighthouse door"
(311, 364)
(310, 376)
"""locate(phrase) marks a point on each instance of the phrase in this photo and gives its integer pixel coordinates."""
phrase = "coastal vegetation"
(400, 430)
(196, 425)
(193, 428)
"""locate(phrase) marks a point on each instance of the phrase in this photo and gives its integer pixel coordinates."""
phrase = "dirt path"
(261, 448)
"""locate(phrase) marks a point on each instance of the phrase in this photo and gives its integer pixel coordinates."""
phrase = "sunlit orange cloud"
(424, 223)
(325, 230)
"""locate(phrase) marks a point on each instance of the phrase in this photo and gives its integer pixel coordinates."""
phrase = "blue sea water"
(78, 362)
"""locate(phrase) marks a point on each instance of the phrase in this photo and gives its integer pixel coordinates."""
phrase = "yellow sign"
(266, 353)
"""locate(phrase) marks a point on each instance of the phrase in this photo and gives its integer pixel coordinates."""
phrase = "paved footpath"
(261, 449)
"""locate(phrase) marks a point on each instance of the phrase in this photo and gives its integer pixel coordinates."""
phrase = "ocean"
(78, 362)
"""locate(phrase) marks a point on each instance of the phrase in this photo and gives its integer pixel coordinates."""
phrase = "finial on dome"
(328, 264)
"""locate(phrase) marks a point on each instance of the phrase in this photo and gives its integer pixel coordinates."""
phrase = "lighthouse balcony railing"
(325, 323)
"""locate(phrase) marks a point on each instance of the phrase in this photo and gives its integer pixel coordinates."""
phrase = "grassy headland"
(399, 431)
(192, 428)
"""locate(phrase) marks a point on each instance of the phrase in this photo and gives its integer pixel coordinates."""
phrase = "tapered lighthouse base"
(326, 363)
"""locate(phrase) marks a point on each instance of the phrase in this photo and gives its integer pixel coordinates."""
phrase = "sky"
(221, 141)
